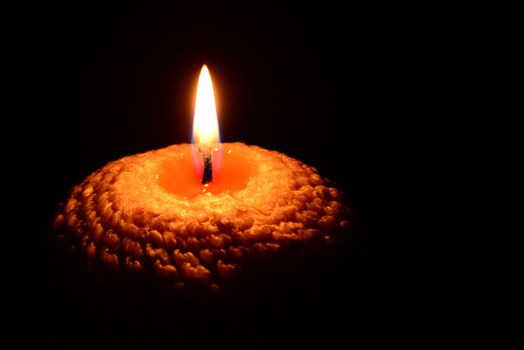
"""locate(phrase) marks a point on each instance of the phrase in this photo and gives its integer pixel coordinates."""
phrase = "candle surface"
(148, 212)
(231, 174)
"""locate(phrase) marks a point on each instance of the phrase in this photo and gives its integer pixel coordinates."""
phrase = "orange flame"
(206, 136)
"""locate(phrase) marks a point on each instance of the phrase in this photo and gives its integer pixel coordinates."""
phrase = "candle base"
(287, 293)
(123, 218)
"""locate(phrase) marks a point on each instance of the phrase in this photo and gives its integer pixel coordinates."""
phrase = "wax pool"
(181, 175)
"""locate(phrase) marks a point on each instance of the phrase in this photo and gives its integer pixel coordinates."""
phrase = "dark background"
(305, 80)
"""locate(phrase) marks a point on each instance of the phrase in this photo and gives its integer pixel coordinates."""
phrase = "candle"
(201, 213)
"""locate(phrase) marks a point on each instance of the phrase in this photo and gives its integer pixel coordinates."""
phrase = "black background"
(305, 80)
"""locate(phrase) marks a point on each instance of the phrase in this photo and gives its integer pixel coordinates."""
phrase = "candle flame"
(205, 124)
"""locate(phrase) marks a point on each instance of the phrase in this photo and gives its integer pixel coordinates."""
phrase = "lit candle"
(198, 214)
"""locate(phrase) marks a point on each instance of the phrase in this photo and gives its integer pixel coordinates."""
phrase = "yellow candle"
(152, 211)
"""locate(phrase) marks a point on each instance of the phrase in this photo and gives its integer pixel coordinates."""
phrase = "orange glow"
(237, 168)
(206, 136)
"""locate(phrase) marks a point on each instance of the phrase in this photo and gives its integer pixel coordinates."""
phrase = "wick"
(208, 169)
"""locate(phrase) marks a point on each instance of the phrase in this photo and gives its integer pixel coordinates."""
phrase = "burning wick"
(208, 165)
(208, 169)
(205, 123)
